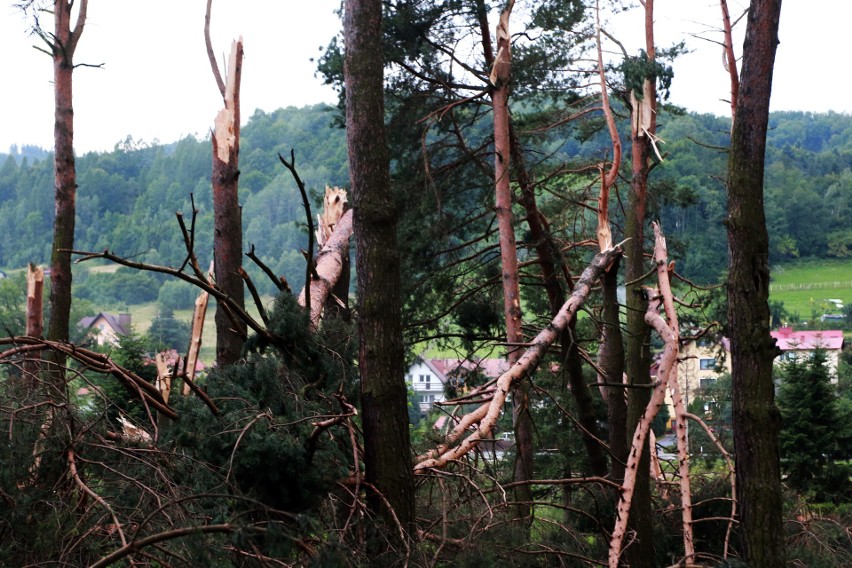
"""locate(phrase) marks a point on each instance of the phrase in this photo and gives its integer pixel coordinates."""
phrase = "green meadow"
(805, 286)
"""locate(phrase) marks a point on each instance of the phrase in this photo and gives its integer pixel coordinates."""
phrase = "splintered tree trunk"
(35, 321)
(227, 215)
(638, 356)
(756, 419)
(63, 43)
(384, 397)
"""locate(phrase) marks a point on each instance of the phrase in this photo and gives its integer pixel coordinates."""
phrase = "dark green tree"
(809, 432)
(166, 332)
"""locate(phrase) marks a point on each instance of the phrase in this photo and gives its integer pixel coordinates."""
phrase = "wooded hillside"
(128, 197)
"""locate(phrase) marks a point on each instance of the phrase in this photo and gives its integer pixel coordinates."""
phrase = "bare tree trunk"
(384, 397)
(63, 43)
(756, 419)
(638, 360)
(227, 215)
(521, 418)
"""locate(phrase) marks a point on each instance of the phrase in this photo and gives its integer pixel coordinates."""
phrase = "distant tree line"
(129, 196)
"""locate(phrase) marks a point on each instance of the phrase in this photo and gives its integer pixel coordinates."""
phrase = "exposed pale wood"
(164, 376)
(488, 413)
(34, 320)
(334, 205)
(195, 340)
(329, 266)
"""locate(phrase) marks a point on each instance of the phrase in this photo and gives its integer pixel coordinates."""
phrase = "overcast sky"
(156, 81)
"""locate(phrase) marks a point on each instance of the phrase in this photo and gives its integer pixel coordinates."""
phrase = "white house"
(427, 382)
(429, 377)
(106, 328)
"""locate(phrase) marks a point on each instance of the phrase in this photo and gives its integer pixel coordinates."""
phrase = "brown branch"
(137, 545)
(730, 59)
(213, 65)
(487, 415)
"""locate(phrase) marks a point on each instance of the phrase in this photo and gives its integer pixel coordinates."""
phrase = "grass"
(805, 286)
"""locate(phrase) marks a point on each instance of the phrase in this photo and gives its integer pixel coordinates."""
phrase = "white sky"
(156, 82)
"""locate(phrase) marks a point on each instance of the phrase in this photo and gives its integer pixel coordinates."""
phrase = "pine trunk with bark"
(756, 420)
(63, 44)
(384, 396)
(227, 215)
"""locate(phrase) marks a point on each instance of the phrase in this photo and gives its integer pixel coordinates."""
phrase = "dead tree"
(227, 214)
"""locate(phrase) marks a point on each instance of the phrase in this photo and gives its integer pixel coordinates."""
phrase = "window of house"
(426, 398)
(707, 383)
(707, 364)
(425, 379)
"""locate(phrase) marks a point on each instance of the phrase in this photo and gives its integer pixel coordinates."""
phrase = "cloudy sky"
(156, 81)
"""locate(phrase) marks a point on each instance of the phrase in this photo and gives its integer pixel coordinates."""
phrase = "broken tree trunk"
(335, 204)
(195, 340)
(521, 419)
(227, 215)
(35, 321)
(330, 264)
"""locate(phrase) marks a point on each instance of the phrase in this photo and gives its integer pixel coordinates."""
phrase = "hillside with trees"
(131, 194)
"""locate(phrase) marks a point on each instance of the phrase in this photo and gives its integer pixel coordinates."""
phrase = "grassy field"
(805, 286)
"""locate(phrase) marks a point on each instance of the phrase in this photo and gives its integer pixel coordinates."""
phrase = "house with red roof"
(428, 377)
(801, 344)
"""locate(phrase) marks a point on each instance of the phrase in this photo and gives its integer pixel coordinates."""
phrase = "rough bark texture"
(387, 451)
(638, 360)
(756, 419)
(63, 43)
(227, 215)
(611, 363)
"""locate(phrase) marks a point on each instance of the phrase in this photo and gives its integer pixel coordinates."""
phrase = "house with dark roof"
(106, 328)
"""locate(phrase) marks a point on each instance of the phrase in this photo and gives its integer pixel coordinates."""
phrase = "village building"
(106, 328)
(428, 378)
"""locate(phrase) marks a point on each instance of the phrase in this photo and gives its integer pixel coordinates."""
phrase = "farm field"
(805, 286)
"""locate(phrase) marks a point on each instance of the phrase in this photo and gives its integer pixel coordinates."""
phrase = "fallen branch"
(487, 414)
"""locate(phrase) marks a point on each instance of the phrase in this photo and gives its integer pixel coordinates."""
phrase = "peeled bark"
(756, 419)
(384, 395)
(521, 418)
(198, 316)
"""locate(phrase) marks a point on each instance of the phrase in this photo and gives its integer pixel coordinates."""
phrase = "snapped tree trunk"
(638, 353)
(756, 419)
(384, 395)
(227, 215)
(63, 43)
